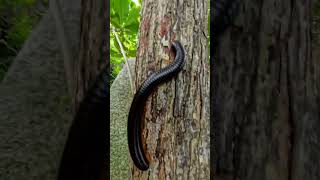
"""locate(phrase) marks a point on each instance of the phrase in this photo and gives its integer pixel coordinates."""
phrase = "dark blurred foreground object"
(85, 155)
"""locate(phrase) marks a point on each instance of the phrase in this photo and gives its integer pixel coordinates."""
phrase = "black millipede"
(137, 107)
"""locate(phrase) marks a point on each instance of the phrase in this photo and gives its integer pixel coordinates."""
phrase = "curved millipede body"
(137, 107)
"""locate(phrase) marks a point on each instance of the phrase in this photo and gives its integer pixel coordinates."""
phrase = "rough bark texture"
(94, 45)
(266, 95)
(176, 128)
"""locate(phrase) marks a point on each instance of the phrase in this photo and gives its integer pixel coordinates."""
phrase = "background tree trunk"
(34, 101)
(35, 106)
(176, 128)
(266, 95)
(120, 100)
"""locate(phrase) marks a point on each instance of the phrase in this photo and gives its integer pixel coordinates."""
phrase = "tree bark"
(86, 150)
(94, 45)
(266, 95)
(176, 122)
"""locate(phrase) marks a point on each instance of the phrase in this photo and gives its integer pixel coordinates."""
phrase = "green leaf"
(133, 17)
(121, 7)
(125, 18)
(19, 32)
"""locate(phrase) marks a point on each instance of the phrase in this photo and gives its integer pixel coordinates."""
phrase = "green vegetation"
(124, 25)
(17, 18)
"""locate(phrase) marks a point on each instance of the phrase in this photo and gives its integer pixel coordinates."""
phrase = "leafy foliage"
(124, 20)
(17, 17)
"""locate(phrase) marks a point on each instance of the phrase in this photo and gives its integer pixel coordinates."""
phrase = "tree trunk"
(94, 45)
(266, 95)
(86, 155)
(176, 122)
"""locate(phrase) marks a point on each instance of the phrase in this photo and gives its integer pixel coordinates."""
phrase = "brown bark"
(176, 123)
(266, 95)
(94, 45)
